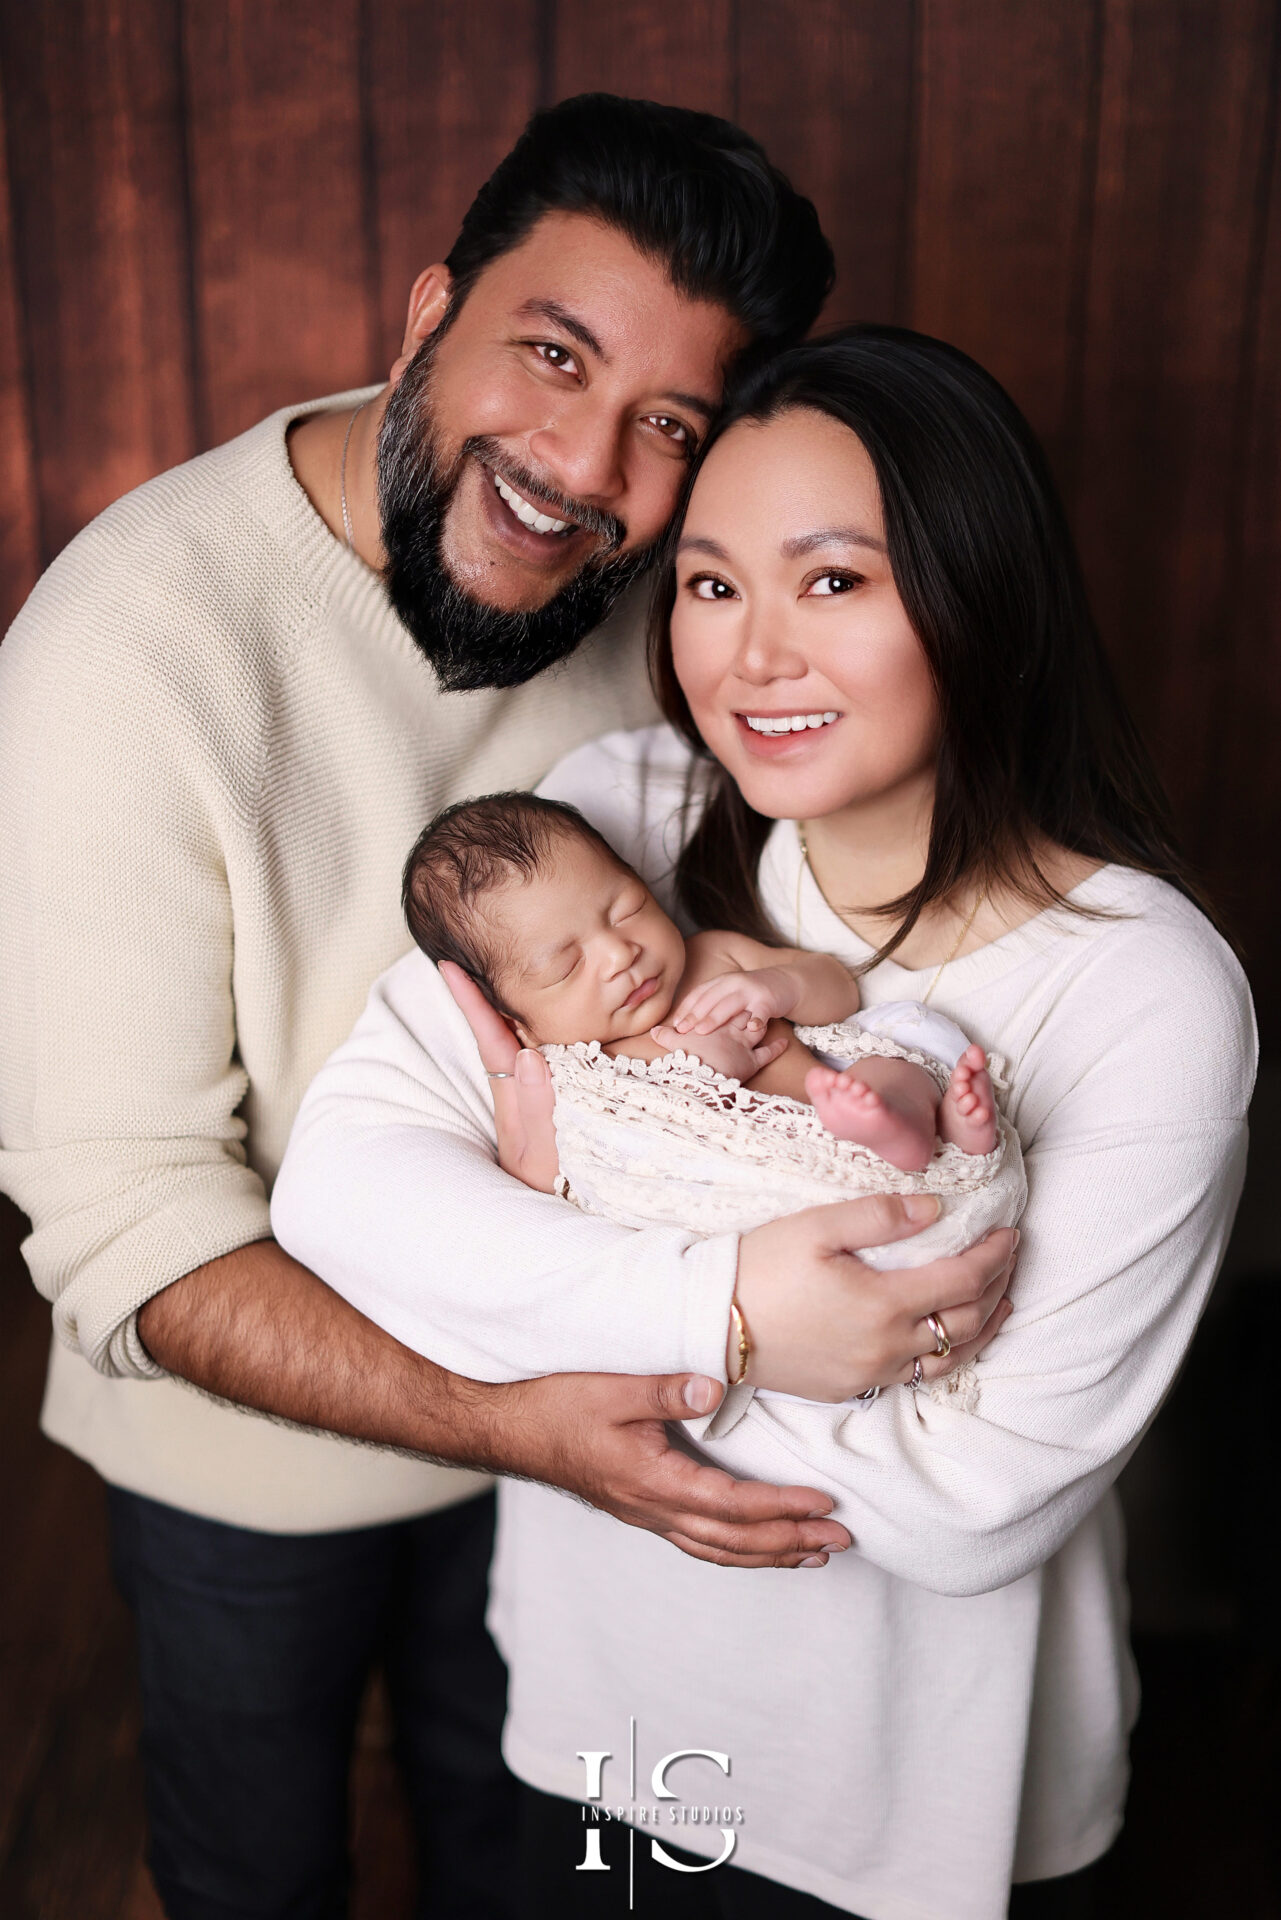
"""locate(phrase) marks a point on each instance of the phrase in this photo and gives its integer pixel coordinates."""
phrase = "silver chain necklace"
(342, 479)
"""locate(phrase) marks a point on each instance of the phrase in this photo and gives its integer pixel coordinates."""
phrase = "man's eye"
(830, 583)
(555, 356)
(706, 586)
(671, 429)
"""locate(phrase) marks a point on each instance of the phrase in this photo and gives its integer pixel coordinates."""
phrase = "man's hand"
(602, 1437)
(257, 1328)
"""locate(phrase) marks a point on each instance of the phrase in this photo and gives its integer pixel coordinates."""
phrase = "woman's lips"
(773, 746)
(644, 991)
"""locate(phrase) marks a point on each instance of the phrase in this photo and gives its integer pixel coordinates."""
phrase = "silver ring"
(498, 1076)
(872, 1393)
(942, 1345)
(918, 1373)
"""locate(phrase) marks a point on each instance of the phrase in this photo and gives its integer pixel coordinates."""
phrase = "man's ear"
(428, 304)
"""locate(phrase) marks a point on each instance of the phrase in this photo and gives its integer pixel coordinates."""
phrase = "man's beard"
(469, 644)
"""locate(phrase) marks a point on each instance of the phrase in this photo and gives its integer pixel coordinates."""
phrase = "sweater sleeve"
(1134, 1161)
(391, 1191)
(120, 1084)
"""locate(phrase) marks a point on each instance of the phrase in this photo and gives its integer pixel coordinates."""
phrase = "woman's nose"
(767, 650)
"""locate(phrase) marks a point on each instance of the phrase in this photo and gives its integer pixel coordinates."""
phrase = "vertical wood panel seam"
(1243, 405)
(197, 381)
(905, 271)
(545, 52)
(734, 54)
(371, 235)
(1073, 416)
(27, 379)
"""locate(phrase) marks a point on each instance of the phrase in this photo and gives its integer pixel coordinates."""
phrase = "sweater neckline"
(348, 585)
(786, 879)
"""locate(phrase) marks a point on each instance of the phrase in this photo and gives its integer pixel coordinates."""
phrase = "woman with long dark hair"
(893, 736)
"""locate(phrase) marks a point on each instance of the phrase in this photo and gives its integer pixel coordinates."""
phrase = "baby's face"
(589, 953)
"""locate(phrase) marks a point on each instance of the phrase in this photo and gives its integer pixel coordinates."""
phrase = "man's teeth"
(527, 515)
(789, 722)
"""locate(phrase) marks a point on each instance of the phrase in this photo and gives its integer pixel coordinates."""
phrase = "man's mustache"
(540, 493)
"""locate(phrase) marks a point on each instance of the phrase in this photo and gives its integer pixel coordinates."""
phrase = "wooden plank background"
(207, 211)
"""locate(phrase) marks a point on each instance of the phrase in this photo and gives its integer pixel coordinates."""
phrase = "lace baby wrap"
(669, 1142)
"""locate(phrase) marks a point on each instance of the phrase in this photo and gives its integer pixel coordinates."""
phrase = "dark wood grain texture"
(827, 85)
(97, 181)
(683, 54)
(1242, 789)
(1183, 124)
(1006, 140)
(281, 242)
(437, 129)
(19, 531)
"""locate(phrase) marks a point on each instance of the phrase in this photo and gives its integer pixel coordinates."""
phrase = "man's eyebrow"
(830, 537)
(693, 402)
(561, 317)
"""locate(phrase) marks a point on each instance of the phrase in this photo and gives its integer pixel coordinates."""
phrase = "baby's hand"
(738, 1056)
(743, 1002)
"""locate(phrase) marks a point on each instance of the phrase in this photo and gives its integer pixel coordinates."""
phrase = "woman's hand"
(523, 1103)
(825, 1326)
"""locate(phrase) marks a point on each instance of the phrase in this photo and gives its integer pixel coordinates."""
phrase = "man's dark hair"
(469, 848)
(693, 191)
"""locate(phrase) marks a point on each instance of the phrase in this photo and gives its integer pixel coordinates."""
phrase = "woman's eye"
(554, 356)
(829, 583)
(706, 586)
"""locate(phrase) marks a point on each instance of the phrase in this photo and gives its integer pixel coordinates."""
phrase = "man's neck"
(315, 444)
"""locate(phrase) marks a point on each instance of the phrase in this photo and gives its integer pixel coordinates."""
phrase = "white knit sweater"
(946, 1706)
(217, 743)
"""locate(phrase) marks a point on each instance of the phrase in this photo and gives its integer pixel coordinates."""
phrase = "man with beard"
(220, 732)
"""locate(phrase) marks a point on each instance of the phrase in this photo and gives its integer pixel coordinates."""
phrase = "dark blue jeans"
(254, 1650)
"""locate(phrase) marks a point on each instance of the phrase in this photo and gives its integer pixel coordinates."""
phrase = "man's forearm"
(258, 1328)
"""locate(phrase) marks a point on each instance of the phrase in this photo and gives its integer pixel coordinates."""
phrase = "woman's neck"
(863, 856)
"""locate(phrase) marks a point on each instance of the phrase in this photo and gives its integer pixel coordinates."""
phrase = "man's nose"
(581, 449)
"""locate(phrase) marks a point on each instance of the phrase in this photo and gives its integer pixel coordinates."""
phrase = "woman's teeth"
(789, 722)
(527, 515)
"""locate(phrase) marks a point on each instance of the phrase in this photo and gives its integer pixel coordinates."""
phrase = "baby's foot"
(967, 1115)
(849, 1108)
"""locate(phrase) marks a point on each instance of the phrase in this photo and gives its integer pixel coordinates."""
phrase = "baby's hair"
(465, 851)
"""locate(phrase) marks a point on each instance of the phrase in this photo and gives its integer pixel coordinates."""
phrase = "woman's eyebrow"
(698, 543)
(830, 537)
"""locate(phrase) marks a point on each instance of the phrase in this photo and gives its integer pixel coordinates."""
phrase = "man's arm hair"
(258, 1328)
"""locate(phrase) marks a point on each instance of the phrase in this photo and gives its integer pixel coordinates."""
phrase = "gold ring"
(942, 1345)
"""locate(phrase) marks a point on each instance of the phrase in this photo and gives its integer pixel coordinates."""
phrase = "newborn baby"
(569, 945)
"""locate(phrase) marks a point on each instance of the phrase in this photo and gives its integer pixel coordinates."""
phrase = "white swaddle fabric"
(671, 1142)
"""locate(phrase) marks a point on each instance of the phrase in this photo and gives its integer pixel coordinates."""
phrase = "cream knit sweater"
(217, 743)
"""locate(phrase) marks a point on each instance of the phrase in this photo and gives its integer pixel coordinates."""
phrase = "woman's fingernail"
(813, 1561)
(529, 1064)
(819, 1513)
(1017, 1237)
(699, 1392)
(921, 1206)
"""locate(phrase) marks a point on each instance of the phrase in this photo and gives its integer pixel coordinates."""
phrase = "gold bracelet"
(744, 1344)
